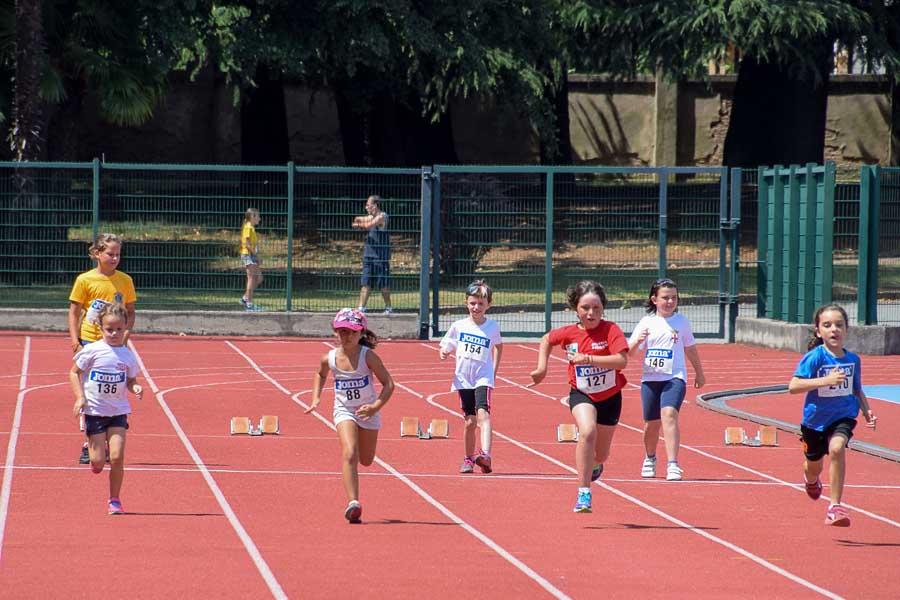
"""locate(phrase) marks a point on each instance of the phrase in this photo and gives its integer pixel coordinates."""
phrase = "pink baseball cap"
(349, 318)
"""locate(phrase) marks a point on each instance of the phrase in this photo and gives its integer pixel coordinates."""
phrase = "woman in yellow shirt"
(250, 257)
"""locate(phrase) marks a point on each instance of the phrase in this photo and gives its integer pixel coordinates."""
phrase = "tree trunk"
(264, 138)
(558, 151)
(778, 118)
(353, 129)
(27, 129)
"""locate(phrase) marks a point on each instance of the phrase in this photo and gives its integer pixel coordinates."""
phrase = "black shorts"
(376, 273)
(608, 411)
(471, 400)
(815, 443)
(94, 425)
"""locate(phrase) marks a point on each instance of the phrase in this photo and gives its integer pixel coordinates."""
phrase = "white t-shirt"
(664, 356)
(474, 352)
(107, 370)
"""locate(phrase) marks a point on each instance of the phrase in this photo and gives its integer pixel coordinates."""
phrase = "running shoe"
(583, 504)
(353, 513)
(814, 490)
(114, 507)
(837, 516)
(467, 466)
(388, 311)
(253, 307)
(361, 309)
(245, 303)
(673, 472)
(597, 472)
(85, 458)
(484, 461)
(648, 469)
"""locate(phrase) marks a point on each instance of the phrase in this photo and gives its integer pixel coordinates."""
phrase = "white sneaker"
(389, 311)
(673, 472)
(648, 469)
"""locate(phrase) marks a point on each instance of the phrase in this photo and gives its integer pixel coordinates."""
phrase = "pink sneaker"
(837, 516)
(114, 507)
(467, 466)
(814, 490)
(484, 461)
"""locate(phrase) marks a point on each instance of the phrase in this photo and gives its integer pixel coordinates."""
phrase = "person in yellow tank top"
(250, 257)
(95, 289)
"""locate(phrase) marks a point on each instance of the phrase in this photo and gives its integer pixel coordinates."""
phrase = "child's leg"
(469, 436)
(484, 424)
(116, 438)
(671, 434)
(368, 441)
(651, 436)
(838, 467)
(586, 419)
(253, 279)
(650, 406)
(812, 469)
(348, 434)
(386, 294)
(97, 451)
(604, 442)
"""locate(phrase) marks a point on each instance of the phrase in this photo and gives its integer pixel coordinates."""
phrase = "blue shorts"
(94, 425)
(249, 259)
(657, 394)
(376, 273)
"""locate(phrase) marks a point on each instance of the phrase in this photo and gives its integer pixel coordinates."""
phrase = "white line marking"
(245, 538)
(549, 587)
(6, 488)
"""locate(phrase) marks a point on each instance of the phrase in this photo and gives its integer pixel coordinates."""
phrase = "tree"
(27, 128)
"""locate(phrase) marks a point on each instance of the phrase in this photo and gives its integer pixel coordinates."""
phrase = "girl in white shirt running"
(666, 338)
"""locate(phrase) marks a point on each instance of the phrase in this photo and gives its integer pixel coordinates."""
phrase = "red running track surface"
(211, 515)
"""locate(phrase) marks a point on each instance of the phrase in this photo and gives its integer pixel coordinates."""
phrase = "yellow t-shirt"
(93, 291)
(249, 244)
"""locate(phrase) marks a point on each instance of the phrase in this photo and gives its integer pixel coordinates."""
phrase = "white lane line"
(533, 575)
(6, 488)
(261, 565)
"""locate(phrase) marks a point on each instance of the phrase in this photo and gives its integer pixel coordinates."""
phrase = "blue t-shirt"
(827, 404)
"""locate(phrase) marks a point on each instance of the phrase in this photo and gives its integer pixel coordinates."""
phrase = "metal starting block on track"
(567, 432)
(767, 435)
(438, 428)
(268, 424)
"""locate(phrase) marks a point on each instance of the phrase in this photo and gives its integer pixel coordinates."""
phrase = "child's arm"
(135, 388)
(694, 357)
(448, 342)
(498, 352)
(319, 380)
(634, 345)
(129, 322)
(74, 323)
(866, 409)
(387, 386)
(799, 385)
(76, 376)
(613, 361)
(540, 371)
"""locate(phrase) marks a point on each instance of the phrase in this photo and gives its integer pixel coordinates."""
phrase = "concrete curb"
(861, 339)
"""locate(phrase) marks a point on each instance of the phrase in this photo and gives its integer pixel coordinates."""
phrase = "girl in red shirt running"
(598, 352)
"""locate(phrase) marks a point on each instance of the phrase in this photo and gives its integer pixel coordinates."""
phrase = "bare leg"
(368, 442)
(586, 420)
(671, 434)
(254, 278)
(484, 423)
(363, 296)
(348, 433)
(651, 436)
(386, 294)
(604, 441)
(469, 435)
(116, 437)
(812, 469)
(837, 467)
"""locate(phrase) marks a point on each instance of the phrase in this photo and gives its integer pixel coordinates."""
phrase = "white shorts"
(343, 413)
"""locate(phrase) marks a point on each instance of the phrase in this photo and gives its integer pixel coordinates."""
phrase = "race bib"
(473, 347)
(592, 380)
(107, 385)
(352, 391)
(842, 389)
(658, 360)
(93, 313)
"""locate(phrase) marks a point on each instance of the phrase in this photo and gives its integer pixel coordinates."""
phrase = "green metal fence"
(531, 232)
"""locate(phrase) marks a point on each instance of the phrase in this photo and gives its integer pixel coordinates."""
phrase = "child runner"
(357, 408)
(102, 374)
(597, 351)
(250, 257)
(831, 378)
(667, 338)
(94, 290)
(478, 346)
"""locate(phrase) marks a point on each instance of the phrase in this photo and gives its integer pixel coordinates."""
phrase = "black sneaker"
(85, 458)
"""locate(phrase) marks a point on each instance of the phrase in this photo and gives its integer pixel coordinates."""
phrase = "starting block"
(409, 427)
(240, 425)
(439, 428)
(567, 432)
(269, 424)
(766, 435)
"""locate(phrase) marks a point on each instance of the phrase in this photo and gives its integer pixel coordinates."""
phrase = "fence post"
(734, 285)
(663, 173)
(867, 272)
(827, 232)
(425, 272)
(776, 244)
(762, 243)
(289, 276)
(435, 249)
(809, 205)
(792, 245)
(725, 233)
(95, 199)
(548, 250)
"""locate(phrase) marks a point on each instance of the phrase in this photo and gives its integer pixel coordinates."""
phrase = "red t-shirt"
(606, 339)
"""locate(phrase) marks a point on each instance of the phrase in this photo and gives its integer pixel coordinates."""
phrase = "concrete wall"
(862, 339)
(395, 326)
